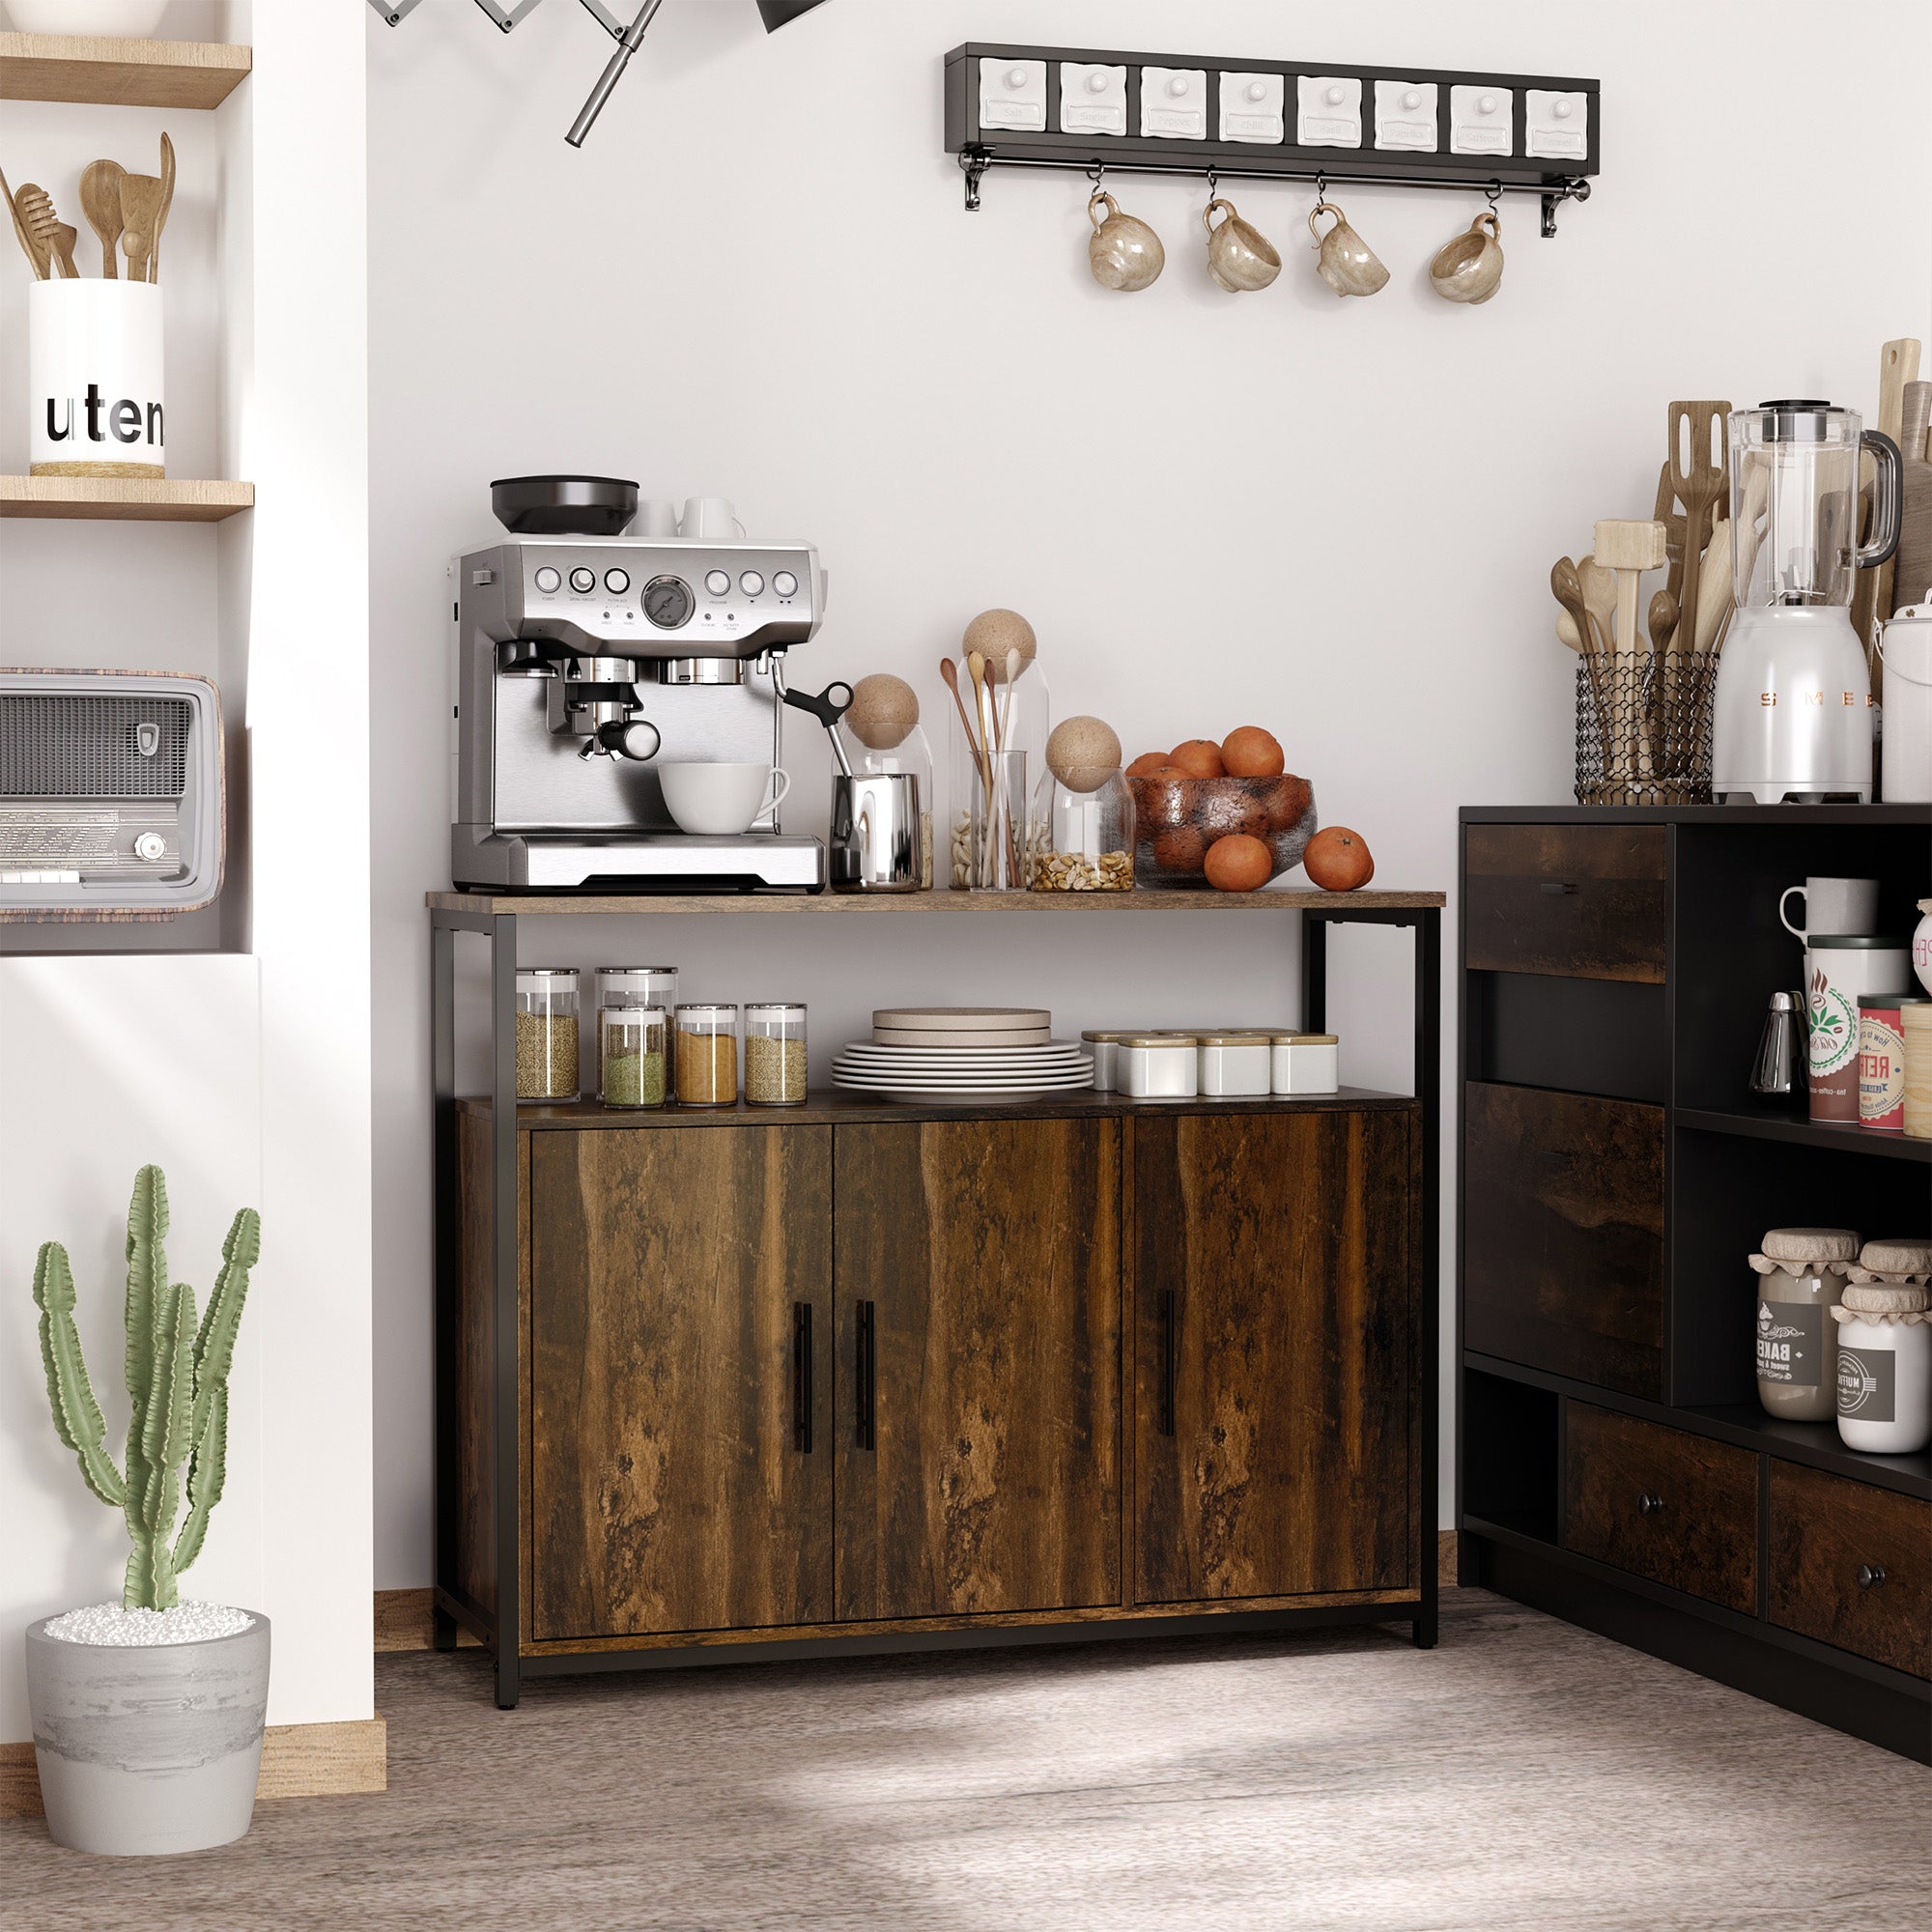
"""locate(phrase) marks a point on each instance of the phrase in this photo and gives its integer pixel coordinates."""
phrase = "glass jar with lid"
(1081, 836)
(707, 1056)
(885, 739)
(774, 1061)
(632, 986)
(631, 1056)
(547, 1036)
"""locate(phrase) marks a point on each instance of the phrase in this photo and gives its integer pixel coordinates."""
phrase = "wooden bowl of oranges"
(1228, 815)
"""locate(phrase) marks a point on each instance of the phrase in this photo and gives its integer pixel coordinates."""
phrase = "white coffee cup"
(1831, 906)
(721, 801)
(656, 521)
(710, 519)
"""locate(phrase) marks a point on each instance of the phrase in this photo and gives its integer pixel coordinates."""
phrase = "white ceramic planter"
(96, 369)
(148, 1750)
(123, 19)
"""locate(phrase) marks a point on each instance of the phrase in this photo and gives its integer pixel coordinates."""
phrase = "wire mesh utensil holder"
(1643, 728)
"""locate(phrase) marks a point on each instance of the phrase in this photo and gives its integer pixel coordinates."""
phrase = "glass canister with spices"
(707, 1056)
(775, 1061)
(631, 1056)
(546, 1041)
(632, 986)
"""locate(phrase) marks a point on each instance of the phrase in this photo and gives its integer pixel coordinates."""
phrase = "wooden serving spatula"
(100, 203)
(37, 254)
(141, 198)
(35, 207)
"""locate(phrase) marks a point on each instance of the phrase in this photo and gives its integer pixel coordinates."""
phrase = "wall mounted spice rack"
(1270, 120)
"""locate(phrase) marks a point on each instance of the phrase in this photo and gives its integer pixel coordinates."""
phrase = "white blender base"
(1786, 794)
(1792, 714)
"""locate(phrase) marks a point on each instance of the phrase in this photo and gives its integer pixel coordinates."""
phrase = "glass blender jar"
(1794, 706)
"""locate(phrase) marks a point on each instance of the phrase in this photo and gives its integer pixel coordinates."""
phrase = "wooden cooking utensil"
(1663, 614)
(1699, 453)
(1566, 632)
(1897, 365)
(100, 204)
(35, 208)
(141, 198)
(1630, 549)
(1671, 518)
(1569, 592)
(161, 213)
(949, 674)
(36, 253)
(1599, 593)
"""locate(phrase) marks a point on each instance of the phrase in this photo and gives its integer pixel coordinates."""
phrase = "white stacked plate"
(956, 1056)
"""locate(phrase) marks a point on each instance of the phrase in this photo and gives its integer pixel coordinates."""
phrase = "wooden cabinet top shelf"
(123, 501)
(906, 904)
(119, 73)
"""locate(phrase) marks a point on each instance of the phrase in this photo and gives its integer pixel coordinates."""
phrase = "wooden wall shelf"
(121, 73)
(114, 499)
(908, 904)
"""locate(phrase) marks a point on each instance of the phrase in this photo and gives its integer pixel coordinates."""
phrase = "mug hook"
(1213, 184)
(1493, 194)
(1097, 175)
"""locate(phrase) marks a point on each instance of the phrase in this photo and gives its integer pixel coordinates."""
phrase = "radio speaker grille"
(78, 747)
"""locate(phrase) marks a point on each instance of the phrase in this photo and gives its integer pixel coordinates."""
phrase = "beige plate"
(956, 1019)
(962, 1037)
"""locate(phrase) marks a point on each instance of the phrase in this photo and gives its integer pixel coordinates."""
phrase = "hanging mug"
(1123, 252)
(1240, 256)
(1347, 263)
(1471, 268)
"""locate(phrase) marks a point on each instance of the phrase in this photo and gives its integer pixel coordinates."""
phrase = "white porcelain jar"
(1307, 1063)
(1105, 1049)
(1797, 1338)
(1884, 1371)
(1236, 1065)
(1158, 1065)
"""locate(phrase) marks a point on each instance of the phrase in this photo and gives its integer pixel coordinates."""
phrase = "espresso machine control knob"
(582, 582)
(785, 584)
(718, 583)
(638, 741)
(549, 580)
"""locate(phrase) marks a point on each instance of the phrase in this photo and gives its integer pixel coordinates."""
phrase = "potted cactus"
(147, 1713)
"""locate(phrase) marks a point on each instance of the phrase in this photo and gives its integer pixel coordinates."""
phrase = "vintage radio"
(111, 793)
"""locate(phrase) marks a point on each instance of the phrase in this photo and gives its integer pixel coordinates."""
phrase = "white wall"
(246, 1077)
(1335, 519)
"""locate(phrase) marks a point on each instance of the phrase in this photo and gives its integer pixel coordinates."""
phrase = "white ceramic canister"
(1838, 967)
(1921, 946)
(1156, 1065)
(1307, 1063)
(96, 379)
(1884, 1373)
(1797, 1338)
(1236, 1065)
(1105, 1049)
(1906, 775)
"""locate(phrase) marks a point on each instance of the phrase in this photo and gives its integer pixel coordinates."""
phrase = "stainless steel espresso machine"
(585, 659)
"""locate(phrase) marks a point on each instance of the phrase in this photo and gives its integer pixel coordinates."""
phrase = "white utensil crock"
(95, 371)
(1907, 643)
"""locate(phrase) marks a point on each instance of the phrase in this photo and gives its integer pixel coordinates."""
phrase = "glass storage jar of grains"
(546, 1043)
(707, 1056)
(631, 1057)
(774, 1055)
(633, 986)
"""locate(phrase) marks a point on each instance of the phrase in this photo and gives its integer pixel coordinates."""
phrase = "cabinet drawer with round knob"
(1665, 1504)
(1850, 1565)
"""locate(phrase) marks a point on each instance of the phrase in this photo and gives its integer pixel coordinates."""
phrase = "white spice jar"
(1236, 1065)
(1307, 1063)
(1885, 1369)
(1158, 1065)
(1105, 1049)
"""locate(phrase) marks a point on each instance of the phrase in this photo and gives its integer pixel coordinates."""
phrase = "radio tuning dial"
(150, 847)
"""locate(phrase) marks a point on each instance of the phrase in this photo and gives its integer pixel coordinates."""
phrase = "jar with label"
(1880, 1062)
(1885, 1368)
(1237, 1065)
(775, 1061)
(1307, 1063)
(707, 1056)
(1915, 1026)
(1797, 1338)
(1158, 1065)
(1840, 967)
(633, 986)
(546, 1041)
(631, 1057)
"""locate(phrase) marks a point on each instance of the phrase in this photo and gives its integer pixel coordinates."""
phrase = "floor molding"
(298, 1761)
(403, 1622)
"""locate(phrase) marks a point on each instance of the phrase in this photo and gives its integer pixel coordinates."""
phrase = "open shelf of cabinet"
(906, 905)
(122, 499)
(121, 73)
(1795, 1127)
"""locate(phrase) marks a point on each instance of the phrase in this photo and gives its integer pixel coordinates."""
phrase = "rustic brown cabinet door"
(1273, 1303)
(681, 1455)
(978, 1426)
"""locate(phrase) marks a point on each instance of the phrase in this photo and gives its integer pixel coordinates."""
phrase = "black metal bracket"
(974, 167)
(1554, 198)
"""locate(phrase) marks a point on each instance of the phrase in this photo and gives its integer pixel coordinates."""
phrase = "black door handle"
(864, 1364)
(1870, 1575)
(1649, 1505)
(1169, 1350)
(1555, 888)
(801, 1377)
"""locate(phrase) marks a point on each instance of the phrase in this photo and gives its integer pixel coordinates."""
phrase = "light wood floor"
(1523, 1777)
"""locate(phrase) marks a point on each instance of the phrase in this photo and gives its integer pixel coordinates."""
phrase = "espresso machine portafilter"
(584, 664)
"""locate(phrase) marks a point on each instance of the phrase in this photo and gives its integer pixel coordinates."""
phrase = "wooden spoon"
(141, 197)
(100, 203)
(1569, 593)
(1566, 632)
(161, 215)
(35, 207)
(1599, 587)
(1663, 615)
(948, 672)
